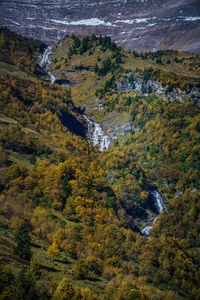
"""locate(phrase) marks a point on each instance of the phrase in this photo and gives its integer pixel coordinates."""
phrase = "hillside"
(72, 216)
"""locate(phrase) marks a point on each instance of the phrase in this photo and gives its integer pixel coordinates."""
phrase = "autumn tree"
(64, 291)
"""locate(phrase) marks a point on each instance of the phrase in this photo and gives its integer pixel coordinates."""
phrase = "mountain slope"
(140, 25)
(79, 212)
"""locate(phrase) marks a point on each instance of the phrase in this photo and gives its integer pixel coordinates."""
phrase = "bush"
(159, 61)
(87, 268)
(57, 66)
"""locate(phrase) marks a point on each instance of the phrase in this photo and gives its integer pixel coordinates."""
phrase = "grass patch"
(12, 70)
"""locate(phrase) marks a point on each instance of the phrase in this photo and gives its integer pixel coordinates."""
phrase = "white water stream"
(160, 207)
(96, 135)
(159, 201)
(46, 62)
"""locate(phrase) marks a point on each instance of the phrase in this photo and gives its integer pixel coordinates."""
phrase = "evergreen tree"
(6, 278)
(96, 69)
(33, 159)
(23, 240)
(24, 287)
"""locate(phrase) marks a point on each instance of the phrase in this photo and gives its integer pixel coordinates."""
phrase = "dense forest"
(71, 216)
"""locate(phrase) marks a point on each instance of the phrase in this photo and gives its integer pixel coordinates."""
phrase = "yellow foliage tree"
(53, 250)
(64, 291)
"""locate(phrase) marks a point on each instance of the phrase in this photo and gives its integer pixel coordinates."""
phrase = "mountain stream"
(96, 135)
(160, 208)
(46, 62)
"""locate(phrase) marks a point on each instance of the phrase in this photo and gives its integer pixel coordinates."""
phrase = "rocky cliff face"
(134, 24)
(151, 86)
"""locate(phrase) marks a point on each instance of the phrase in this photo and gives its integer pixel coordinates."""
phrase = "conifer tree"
(23, 240)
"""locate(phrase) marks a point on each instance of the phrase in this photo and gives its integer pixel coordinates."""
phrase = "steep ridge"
(141, 25)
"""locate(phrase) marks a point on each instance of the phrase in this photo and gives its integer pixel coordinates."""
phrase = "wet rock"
(96, 135)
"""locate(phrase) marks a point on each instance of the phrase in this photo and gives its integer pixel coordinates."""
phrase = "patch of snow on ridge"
(13, 22)
(91, 22)
(139, 20)
(125, 21)
(191, 18)
(86, 22)
(60, 22)
(150, 25)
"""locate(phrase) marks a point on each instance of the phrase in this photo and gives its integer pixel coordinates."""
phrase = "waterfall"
(160, 208)
(145, 230)
(45, 62)
(96, 135)
(159, 201)
(52, 78)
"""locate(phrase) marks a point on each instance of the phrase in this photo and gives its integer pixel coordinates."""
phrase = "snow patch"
(13, 22)
(125, 21)
(86, 22)
(139, 20)
(191, 18)
(91, 22)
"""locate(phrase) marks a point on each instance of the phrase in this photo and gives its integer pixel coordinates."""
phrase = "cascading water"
(159, 201)
(52, 78)
(45, 62)
(160, 208)
(96, 135)
(145, 230)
